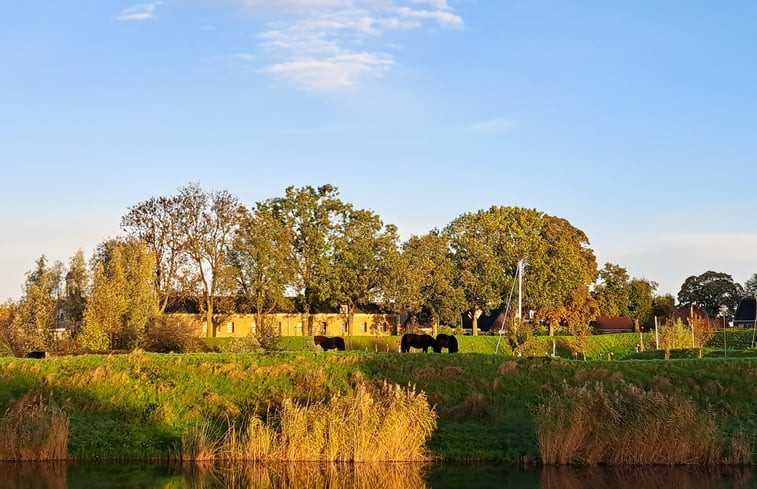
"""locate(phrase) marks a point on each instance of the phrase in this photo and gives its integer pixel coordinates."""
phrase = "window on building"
(364, 327)
(298, 328)
(254, 327)
(230, 327)
(281, 328)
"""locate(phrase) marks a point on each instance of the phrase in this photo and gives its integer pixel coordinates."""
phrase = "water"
(383, 476)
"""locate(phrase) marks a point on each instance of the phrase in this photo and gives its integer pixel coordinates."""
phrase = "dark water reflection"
(360, 476)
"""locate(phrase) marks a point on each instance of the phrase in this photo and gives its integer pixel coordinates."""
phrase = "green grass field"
(137, 406)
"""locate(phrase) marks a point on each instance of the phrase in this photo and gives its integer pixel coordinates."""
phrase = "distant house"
(745, 313)
(368, 319)
(612, 324)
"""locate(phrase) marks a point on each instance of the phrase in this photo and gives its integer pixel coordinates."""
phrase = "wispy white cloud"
(339, 71)
(138, 12)
(324, 45)
(495, 125)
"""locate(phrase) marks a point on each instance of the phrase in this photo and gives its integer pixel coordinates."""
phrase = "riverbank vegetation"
(373, 423)
(139, 406)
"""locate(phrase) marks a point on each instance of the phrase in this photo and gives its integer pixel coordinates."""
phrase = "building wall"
(295, 324)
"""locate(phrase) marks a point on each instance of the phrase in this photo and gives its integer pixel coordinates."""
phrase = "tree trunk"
(435, 326)
(475, 324)
(209, 320)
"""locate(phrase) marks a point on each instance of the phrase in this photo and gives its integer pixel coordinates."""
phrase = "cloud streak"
(325, 45)
(138, 12)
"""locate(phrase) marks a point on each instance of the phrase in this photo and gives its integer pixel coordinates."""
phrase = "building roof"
(745, 312)
(613, 324)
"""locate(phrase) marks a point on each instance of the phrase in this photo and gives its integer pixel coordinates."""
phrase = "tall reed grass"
(32, 430)
(372, 424)
(589, 425)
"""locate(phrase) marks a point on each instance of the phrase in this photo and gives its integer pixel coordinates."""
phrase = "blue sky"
(636, 121)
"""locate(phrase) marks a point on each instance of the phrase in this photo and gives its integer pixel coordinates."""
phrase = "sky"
(636, 121)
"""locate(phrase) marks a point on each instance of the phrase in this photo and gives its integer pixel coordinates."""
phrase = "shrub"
(32, 429)
(269, 337)
(172, 334)
(248, 344)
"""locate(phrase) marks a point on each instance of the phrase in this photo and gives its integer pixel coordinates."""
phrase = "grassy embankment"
(622, 346)
(139, 406)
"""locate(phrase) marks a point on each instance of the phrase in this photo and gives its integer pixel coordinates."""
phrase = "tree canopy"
(709, 291)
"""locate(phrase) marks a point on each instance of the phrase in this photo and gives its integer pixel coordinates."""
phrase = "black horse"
(423, 341)
(329, 343)
(445, 341)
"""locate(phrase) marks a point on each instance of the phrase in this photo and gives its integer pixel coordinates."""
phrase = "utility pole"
(520, 290)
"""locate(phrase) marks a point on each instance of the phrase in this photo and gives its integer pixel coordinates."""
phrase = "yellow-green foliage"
(628, 425)
(31, 429)
(384, 423)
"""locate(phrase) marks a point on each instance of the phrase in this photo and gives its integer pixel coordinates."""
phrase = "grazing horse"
(423, 341)
(329, 343)
(445, 341)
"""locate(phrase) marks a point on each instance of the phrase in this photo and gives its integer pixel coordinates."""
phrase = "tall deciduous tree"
(123, 300)
(709, 291)
(750, 286)
(37, 317)
(312, 216)
(425, 278)
(209, 221)
(157, 222)
(260, 258)
(618, 294)
(77, 288)
(364, 249)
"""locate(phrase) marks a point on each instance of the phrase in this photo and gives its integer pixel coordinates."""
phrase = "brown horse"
(329, 343)
(423, 341)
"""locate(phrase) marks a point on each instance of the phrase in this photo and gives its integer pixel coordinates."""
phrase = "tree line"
(308, 250)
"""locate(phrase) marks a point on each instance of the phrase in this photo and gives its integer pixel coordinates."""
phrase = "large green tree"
(312, 217)
(709, 291)
(617, 294)
(261, 262)
(425, 278)
(487, 246)
(364, 249)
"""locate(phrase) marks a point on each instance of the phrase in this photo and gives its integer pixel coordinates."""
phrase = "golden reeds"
(383, 423)
(33, 430)
(587, 424)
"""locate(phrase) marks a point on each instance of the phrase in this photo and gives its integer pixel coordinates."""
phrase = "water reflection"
(315, 476)
(680, 477)
(364, 476)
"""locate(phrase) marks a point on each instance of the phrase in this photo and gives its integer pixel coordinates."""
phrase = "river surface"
(383, 476)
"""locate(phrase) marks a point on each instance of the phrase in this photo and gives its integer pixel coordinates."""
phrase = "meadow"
(140, 406)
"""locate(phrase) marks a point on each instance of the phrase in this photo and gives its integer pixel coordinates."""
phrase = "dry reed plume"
(33, 430)
(628, 426)
(386, 423)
